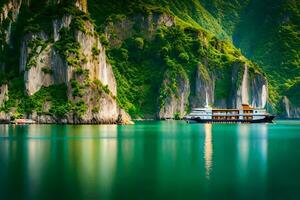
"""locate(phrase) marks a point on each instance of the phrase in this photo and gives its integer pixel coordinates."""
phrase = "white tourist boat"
(246, 114)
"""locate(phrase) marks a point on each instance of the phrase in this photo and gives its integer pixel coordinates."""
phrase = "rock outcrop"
(174, 95)
(123, 29)
(95, 58)
(8, 14)
(290, 111)
(204, 72)
(4, 117)
(247, 87)
(253, 89)
(44, 64)
(3, 93)
(36, 63)
(204, 88)
(10, 9)
(41, 62)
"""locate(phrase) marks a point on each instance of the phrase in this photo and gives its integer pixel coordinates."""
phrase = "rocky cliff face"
(251, 88)
(146, 60)
(119, 30)
(3, 98)
(204, 88)
(8, 14)
(101, 106)
(95, 58)
(175, 93)
(10, 9)
(3, 93)
(35, 59)
(73, 55)
(290, 111)
(179, 93)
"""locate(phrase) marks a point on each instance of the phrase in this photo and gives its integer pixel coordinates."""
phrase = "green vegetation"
(15, 94)
(2, 3)
(226, 12)
(191, 12)
(140, 65)
(177, 116)
(37, 17)
(95, 51)
(77, 88)
(96, 109)
(68, 47)
(36, 46)
(148, 59)
(104, 41)
(268, 33)
(79, 108)
(55, 95)
(79, 21)
(47, 70)
(293, 93)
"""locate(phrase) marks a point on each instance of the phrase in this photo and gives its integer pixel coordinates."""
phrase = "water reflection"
(252, 156)
(38, 153)
(208, 149)
(261, 150)
(107, 162)
(146, 161)
(243, 149)
(4, 131)
(264, 148)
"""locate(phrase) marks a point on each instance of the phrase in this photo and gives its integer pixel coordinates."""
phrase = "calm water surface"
(151, 160)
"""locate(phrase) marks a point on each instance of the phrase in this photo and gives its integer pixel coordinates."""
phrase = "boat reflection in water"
(208, 149)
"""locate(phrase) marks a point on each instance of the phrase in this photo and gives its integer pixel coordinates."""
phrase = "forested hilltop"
(96, 61)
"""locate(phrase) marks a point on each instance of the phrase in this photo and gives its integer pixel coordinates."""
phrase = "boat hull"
(267, 119)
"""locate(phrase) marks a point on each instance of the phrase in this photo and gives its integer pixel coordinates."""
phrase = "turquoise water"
(151, 160)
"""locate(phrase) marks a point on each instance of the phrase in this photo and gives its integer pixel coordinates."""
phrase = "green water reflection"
(151, 160)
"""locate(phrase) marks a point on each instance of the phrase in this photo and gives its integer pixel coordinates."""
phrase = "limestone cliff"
(121, 29)
(290, 111)
(203, 89)
(8, 14)
(208, 80)
(253, 89)
(72, 55)
(174, 96)
(247, 86)
(51, 68)
(82, 64)
(290, 105)
(43, 65)
(3, 93)
(35, 59)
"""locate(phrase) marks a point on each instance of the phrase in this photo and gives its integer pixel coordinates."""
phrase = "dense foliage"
(55, 96)
(143, 53)
(268, 32)
(33, 18)
(140, 64)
